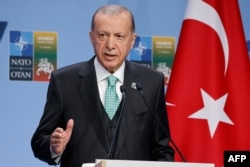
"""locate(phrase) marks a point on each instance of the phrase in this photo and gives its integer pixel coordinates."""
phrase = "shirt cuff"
(55, 157)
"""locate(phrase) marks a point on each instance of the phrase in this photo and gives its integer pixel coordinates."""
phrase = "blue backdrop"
(22, 102)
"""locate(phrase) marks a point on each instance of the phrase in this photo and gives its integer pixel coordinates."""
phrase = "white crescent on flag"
(208, 15)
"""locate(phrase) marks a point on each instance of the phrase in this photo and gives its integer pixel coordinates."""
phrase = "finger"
(53, 141)
(70, 126)
(57, 133)
(58, 130)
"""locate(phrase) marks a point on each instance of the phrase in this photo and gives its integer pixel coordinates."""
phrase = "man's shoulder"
(74, 68)
(68, 70)
(70, 67)
(143, 68)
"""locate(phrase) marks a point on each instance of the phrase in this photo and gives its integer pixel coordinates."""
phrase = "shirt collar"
(102, 73)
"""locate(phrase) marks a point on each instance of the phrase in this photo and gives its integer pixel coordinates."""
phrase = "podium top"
(127, 163)
(88, 165)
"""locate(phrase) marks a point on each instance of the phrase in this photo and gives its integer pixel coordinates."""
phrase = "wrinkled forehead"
(113, 24)
(113, 10)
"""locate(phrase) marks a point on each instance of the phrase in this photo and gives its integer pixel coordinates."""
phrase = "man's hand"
(60, 138)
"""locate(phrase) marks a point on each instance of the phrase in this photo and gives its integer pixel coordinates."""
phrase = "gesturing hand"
(59, 138)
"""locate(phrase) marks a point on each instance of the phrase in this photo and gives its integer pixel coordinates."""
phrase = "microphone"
(139, 88)
(113, 143)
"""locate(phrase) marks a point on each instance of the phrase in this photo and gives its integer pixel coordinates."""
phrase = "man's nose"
(110, 42)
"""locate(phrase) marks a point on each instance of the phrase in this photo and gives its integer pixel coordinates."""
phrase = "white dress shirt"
(102, 74)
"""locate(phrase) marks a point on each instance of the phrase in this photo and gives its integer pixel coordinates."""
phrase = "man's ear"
(91, 36)
(133, 40)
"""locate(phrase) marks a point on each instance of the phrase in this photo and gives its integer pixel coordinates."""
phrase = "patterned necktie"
(111, 101)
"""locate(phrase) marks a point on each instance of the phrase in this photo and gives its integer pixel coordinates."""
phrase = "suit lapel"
(90, 98)
(131, 75)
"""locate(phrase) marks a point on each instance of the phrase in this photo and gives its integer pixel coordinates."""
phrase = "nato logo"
(21, 43)
(21, 55)
(142, 51)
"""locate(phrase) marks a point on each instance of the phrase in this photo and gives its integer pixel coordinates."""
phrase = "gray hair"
(113, 9)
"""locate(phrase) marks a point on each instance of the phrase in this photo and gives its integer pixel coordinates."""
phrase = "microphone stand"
(139, 88)
(113, 143)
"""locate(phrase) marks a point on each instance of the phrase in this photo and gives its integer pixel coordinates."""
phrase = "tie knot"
(112, 80)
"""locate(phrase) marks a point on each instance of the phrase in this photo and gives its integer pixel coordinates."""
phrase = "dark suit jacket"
(73, 93)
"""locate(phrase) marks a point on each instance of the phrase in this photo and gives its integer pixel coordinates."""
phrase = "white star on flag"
(213, 112)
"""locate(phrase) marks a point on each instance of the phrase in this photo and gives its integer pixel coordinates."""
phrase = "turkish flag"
(208, 96)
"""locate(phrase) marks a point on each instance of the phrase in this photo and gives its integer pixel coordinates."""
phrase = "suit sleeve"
(50, 119)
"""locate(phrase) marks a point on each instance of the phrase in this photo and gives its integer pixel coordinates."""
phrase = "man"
(75, 127)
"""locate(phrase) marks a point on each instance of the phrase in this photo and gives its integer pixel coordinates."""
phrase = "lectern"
(126, 163)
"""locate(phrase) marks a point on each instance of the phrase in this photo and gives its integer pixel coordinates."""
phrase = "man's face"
(112, 39)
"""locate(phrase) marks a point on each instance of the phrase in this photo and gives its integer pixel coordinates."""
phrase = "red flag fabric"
(208, 96)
